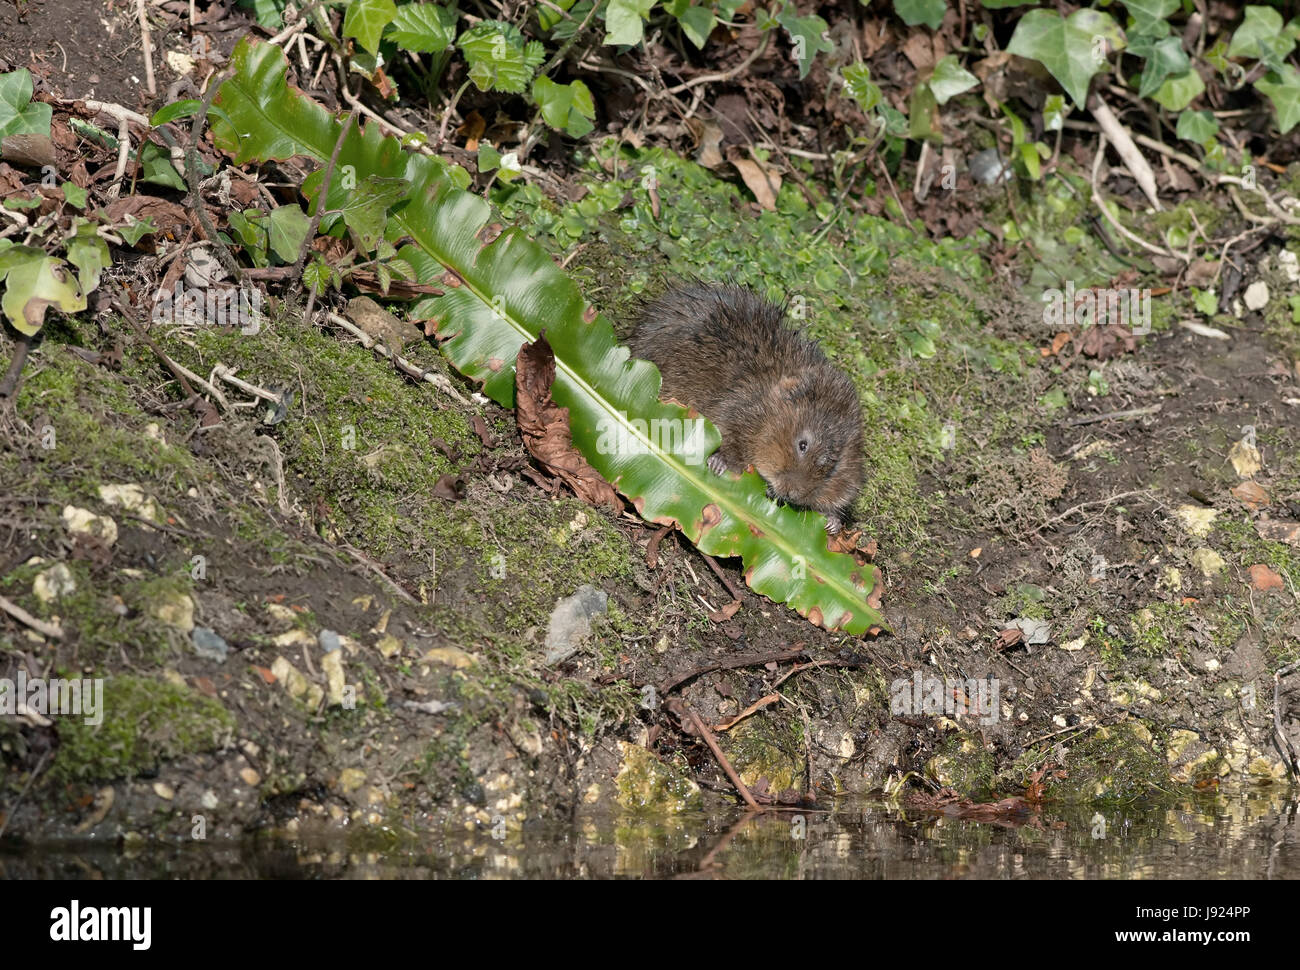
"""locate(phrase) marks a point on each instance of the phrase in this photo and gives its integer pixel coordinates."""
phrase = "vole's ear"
(785, 387)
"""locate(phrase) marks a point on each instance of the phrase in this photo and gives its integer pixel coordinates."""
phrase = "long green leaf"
(502, 290)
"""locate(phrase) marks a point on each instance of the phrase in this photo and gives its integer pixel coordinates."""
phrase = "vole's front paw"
(717, 465)
(834, 524)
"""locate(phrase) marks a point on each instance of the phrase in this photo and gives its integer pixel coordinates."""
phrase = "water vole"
(779, 404)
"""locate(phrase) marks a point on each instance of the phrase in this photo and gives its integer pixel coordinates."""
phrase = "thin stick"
(1283, 742)
(9, 386)
(1085, 505)
(123, 154)
(321, 199)
(225, 374)
(712, 742)
(724, 76)
(192, 180)
(23, 794)
(146, 41)
(752, 660)
(370, 343)
(1123, 142)
(718, 571)
(51, 630)
(1115, 415)
(370, 564)
(1097, 200)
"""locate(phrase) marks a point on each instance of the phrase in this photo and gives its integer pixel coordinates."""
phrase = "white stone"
(1256, 295)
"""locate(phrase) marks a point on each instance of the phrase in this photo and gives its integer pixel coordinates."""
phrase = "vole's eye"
(802, 444)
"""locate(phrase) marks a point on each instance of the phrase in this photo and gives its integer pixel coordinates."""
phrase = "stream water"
(1254, 836)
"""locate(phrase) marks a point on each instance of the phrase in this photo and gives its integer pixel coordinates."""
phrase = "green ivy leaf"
(1283, 89)
(1197, 126)
(364, 208)
(426, 27)
(625, 21)
(1072, 48)
(34, 285)
(135, 229)
(158, 169)
(366, 19)
(1150, 17)
(1261, 26)
(74, 195)
(1178, 92)
(922, 114)
(1205, 301)
(548, 17)
(287, 229)
(1054, 112)
(859, 86)
(928, 12)
(950, 79)
(697, 23)
(1164, 58)
(89, 253)
(18, 116)
(499, 58)
(807, 34)
(564, 29)
(565, 107)
(488, 157)
(268, 13)
(250, 229)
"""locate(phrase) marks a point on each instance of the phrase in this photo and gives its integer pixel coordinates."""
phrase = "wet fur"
(728, 353)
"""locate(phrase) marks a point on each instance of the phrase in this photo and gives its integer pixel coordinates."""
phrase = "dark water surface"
(1252, 836)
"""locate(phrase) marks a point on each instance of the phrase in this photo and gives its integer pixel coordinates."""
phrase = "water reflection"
(1249, 837)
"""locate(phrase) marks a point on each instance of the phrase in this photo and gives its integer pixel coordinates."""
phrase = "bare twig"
(1119, 227)
(321, 198)
(51, 630)
(1087, 505)
(146, 42)
(8, 816)
(1283, 742)
(1115, 415)
(192, 180)
(1123, 142)
(702, 729)
(9, 385)
(370, 343)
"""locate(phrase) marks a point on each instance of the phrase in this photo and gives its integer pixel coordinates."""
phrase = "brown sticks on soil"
(703, 731)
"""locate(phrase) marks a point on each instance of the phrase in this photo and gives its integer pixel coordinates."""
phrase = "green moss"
(1118, 763)
(1160, 629)
(102, 629)
(366, 444)
(97, 429)
(768, 749)
(962, 764)
(646, 784)
(145, 722)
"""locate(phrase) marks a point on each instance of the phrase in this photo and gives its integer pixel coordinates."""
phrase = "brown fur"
(727, 352)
